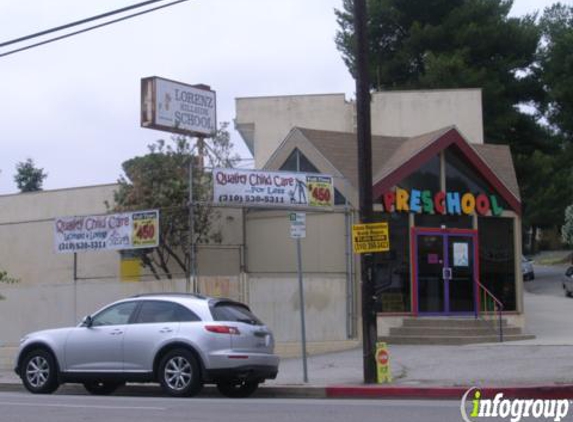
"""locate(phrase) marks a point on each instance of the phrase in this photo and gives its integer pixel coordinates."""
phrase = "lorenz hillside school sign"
(176, 107)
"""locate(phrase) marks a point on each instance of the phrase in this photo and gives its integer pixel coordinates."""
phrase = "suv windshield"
(227, 311)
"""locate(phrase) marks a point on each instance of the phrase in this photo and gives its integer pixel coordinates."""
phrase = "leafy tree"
(28, 177)
(567, 229)
(548, 193)
(429, 44)
(160, 180)
(556, 68)
(6, 279)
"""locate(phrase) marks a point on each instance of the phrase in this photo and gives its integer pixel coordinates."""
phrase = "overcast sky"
(73, 106)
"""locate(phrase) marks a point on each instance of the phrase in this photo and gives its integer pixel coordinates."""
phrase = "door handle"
(116, 332)
(166, 330)
(447, 273)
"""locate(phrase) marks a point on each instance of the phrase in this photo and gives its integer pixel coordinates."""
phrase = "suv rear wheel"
(39, 372)
(237, 388)
(179, 374)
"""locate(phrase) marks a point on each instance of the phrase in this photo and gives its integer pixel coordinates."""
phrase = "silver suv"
(181, 341)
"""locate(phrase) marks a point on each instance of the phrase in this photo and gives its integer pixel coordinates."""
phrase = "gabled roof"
(395, 158)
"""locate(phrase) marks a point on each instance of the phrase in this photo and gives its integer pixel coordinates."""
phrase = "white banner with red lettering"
(252, 188)
(131, 230)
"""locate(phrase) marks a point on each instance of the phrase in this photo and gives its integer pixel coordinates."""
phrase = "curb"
(564, 391)
(209, 391)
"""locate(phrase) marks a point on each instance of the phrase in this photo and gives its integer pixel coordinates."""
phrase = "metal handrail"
(498, 307)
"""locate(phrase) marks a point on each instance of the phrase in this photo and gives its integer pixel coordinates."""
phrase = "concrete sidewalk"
(542, 367)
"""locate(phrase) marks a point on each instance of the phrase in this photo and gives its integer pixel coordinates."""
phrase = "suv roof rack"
(176, 294)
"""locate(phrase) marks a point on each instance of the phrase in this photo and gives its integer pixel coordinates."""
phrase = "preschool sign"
(451, 203)
(253, 188)
(131, 230)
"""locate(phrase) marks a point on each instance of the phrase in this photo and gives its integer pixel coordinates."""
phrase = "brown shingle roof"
(499, 159)
(390, 153)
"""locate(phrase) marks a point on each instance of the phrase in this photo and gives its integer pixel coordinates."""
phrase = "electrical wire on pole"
(76, 23)
(81, 31)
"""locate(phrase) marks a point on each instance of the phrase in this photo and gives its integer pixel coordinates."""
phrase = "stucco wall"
(270, 249)
(276, 301)
(26, 227)
(410, 113)
(264, 122)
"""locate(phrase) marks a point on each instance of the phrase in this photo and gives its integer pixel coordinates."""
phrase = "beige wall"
(26, 227)
(270, 248)
(411, 113)
(265, 121)
(275, 299)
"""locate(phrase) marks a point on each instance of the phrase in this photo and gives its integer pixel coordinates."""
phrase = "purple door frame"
(445, 234)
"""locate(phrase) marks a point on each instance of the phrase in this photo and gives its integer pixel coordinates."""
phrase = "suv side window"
(155, 311)
(569, 272)
(114, 315)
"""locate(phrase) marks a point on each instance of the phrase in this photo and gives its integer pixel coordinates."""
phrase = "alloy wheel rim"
(178, 373)
(37, 371)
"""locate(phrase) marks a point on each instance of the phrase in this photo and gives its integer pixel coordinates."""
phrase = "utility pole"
(364, 136)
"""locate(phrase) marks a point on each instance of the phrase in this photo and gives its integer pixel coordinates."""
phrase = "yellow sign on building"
(383, 363)
(368, 238)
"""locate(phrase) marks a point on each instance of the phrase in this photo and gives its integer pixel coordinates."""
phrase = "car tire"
(102, 388)
(179, 374)
(237, 388)
(567, 293)
(39, 372)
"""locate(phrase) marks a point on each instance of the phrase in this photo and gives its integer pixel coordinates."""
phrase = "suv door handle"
(116, 332)
(166, 330)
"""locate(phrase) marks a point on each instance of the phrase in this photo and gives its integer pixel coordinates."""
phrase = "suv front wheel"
(39, 372)
(179, 374)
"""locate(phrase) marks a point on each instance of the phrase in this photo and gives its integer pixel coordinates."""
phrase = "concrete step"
(452, 331)
(451, 322)
(452, 340)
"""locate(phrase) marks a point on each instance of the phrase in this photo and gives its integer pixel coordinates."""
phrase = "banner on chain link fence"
(130, 230)
(252, 188)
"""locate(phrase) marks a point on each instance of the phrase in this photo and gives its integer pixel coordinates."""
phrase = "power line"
(80, 22)
(91, 28)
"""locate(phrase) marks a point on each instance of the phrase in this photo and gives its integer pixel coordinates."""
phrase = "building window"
(497, 258)
(447, 221)
(427, 177)
(460, 177)
(392, 275)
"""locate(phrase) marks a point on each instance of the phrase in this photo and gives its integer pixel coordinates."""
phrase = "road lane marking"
(81, 406)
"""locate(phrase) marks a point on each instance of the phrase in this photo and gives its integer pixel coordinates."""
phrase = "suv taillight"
(222, 329)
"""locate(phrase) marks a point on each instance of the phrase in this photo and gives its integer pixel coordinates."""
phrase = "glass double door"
(446, 271)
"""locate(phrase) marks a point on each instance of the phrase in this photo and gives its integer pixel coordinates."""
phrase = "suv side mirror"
(87, 321)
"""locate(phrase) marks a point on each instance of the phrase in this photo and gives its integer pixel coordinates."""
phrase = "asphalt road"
(24, 407)
(547, 281)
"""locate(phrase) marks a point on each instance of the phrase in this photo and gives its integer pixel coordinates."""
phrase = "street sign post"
(298, 231)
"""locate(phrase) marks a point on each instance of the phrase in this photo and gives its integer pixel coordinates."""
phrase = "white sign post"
(297, 225)
(298, 231)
